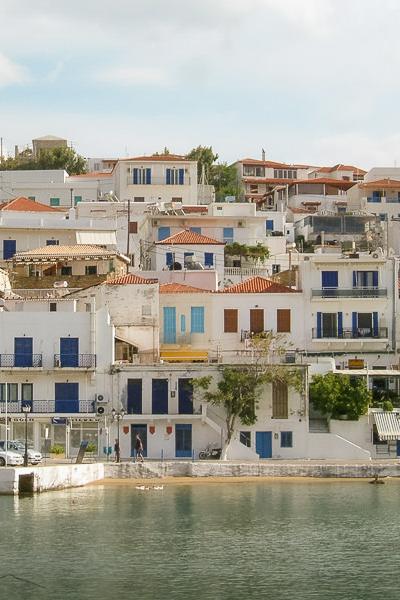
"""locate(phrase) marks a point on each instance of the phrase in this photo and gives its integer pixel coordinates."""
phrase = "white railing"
(246, 271)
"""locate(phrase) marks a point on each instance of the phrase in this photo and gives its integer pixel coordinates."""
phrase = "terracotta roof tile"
(381, 183)
(272, 164)
(258, 285)
(187, 237)
(180, 288)
(77, 250)
(23, 204)
(130, 279)
(158, 158)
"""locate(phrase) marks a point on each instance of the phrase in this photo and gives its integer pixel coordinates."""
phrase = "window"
(176, 199)
(91, 270)
(269, 225)
(138, 199)
(52, 242)
(195, 229)
(228, 234)
(285, 174)
(208, 259)
(32, 198)
(286, 439)
(253, 171)
(146, 310)
(256, 320)
(283, 320)
(174, 176)
(276, 269)
(26, 392)
(365, 279)
(141, 176)
(245, 438)
(66, 270)
(376, 197)
(163, 233)
(230, 320)
(133, 227)
(280, 407)
(12, 392)
(77, 199)
(54, 201)
(197, 319)
(329, 279)
(253, 188)
(53, 307)
(169, 258)
(328, 324)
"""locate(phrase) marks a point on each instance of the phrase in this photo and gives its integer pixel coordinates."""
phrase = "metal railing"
(20, 360)
(75, 361)
(351, 334)
(246, 271)
(159, 181)
(356, 292)
(50, 406)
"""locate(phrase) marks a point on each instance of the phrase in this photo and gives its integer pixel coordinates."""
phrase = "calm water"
(207, 541)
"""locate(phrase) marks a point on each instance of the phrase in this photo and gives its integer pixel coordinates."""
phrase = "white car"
(34, 457)
(13, 458)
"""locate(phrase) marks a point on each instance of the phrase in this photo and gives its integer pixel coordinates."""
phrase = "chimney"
(262, 154)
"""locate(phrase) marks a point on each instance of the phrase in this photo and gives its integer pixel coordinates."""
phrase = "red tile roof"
(341, 183)
(339, 167)
(130, 279)
(194, 209)
(158, 158)
(381, 183)
(22, 204)
(187, 237)
(180, 288)
(272, 164)
(258, 285)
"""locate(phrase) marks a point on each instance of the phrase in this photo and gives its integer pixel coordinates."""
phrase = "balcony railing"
(50, 406)
(75, 361)
(356, 292)
(351, 334)
(246, 271)
(20, 360)
(159, 181)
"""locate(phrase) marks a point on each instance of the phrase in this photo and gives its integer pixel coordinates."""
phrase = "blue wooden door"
(264, 444)
(185, 397)
(23, 348)
(66, 397)
(159, 397)
(134, 400)
(142, 431)
(183, 440)
(169, 324)
(69, 352)
(9, 248)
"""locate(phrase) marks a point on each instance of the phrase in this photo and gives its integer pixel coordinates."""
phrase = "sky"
(310, 81)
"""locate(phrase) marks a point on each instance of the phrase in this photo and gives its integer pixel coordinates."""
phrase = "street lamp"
(117, 416)
(26, 408)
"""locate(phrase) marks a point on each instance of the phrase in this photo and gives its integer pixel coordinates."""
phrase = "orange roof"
(381, 183)
(271, 163)
(339, 167)
(130, 279)
(258, 285)
(92, 175)
(159, 158)
(180, 288)
(187, 237)
(327, 180)
(271, 180)
(23, 204)
(194, 209)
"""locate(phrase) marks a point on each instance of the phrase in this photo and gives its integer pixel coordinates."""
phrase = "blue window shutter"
(228, 234)
(169, 313)
(169, 259)
(148, 176)
(340, 324)
(168, 176)
(208, 259)
(183, 324)
(269, 225)
(319, 325)
(135, 176)
(181, 176)
(159, 396)
(329, 279)
(354, 321)
(375, 323)
(197, 319)
(354, 278)
(375, 278)
(163, 233)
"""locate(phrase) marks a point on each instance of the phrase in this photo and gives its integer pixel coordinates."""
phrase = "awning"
(388, 425)
(100, 238)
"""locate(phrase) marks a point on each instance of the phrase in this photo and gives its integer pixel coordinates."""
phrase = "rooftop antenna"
(262, 154)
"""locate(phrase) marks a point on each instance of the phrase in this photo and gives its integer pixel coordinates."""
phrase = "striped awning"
(388, 425)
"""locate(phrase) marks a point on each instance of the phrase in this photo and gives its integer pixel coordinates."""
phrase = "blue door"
(185, 397)
(183, 440)
(398, 447)
(9, 248)
(142, 431)
(69, 352)
(169, 324)
(23, 348)
(66, 397)
(160, 397)
(134, 401)
(264, 444)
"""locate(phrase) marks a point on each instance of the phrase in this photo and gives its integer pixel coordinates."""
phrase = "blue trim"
(264, 444)
(375, 278)
(148, 176)
(269, 225)
(169, 259)
(168, 176)
(66, 397)
(319, 325)
(208, 259)
(375, 324)
(197, 319)
(169, 324)
(181, 176)
(163, 233)
(135, 176)
(340, 324)
(183, 440)
(134, 396)
(354, 322)
(23, 349)
(329, 279)
(159, 396)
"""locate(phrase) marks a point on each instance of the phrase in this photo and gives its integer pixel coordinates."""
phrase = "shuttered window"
(279, 400)
(230, 320)
(197, 319)
(283, 320)
(133, 227)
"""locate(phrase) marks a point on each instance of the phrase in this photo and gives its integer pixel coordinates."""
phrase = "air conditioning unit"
(100, 399)
(60, 284)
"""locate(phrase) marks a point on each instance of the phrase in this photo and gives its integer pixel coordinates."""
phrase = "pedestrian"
(139, 448)
(117, 451)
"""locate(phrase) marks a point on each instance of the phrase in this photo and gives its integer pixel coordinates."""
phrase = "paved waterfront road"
(279, 540)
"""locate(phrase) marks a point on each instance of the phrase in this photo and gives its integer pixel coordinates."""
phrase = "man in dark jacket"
(139, 448)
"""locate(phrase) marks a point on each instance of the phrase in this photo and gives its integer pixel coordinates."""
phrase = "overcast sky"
(311, 81)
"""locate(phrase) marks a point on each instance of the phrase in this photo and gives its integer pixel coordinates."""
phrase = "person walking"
(139, 448)
(117, 451)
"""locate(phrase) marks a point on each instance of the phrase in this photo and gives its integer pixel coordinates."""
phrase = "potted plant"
(57, 451)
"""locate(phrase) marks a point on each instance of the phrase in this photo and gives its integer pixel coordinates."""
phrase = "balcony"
(357, 292)
(21, 361)
(49, 407)
(75, 361)
(348, 333)
(246, 271)
(159, 181)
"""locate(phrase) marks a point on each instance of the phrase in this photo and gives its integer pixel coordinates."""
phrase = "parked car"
(13, 458)
(34, 457)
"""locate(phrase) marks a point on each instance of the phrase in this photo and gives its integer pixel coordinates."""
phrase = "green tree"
(257, 252)
(205, 158)
(55, 158)
(340, 395)
(225, 180)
